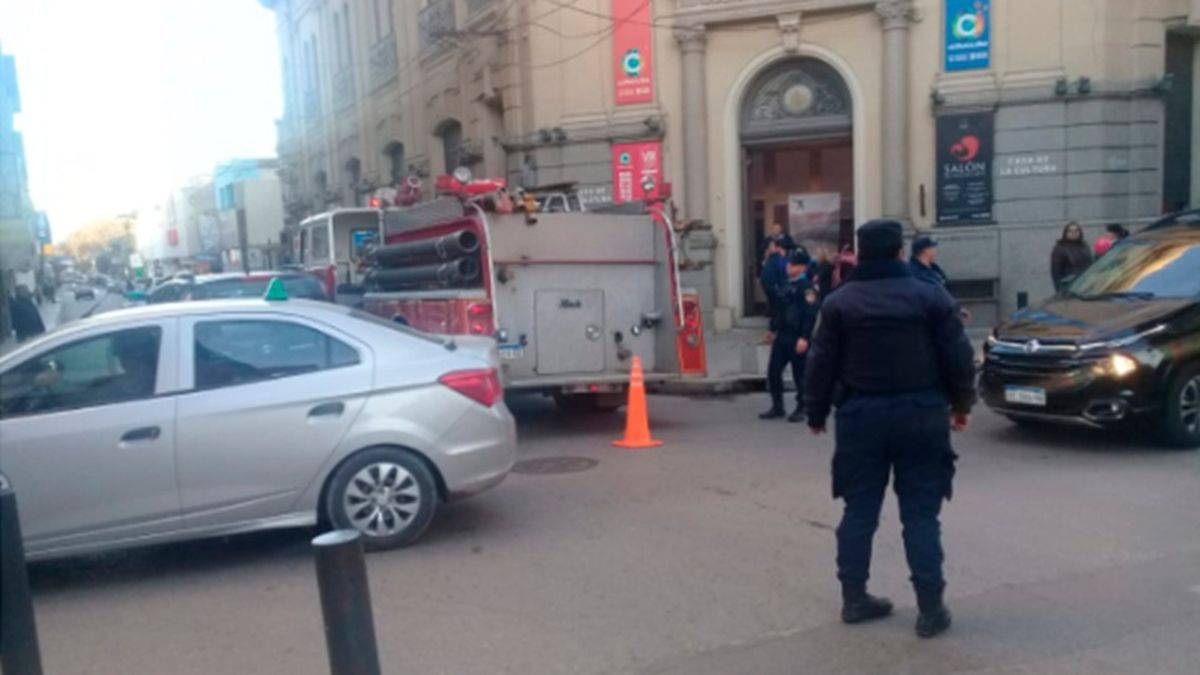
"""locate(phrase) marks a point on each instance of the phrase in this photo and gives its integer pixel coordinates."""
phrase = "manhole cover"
(545, 466)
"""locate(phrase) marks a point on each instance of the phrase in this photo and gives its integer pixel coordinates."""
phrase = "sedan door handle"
(142, 434)
(328, 410)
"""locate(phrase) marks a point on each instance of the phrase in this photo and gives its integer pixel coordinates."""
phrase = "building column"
(897, 16)
(695, 122)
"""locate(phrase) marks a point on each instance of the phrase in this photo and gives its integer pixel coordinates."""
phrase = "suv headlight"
(1121, 365)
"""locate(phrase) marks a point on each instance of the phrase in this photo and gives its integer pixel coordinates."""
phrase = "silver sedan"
(193, 420)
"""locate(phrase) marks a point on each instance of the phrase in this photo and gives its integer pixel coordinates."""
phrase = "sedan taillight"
(481, 386)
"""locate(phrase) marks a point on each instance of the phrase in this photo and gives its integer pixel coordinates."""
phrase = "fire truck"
(570, 297)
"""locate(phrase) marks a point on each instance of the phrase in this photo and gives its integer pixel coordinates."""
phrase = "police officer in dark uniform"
(924, 250)
(791, 325)
(891, 349)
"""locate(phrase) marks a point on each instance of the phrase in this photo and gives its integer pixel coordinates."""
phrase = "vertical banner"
(964, 180)
(632, 62)
(968, 34)
(637, 170)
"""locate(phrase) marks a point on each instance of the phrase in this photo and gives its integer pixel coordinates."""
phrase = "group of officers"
(889, 351)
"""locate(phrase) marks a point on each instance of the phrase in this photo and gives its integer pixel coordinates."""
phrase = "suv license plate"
(1025, 395)
(512, 353)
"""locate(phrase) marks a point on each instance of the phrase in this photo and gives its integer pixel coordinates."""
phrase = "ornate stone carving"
(719, 11)
(690, 38)
(896, 13)
(789, 31)
(794, 92)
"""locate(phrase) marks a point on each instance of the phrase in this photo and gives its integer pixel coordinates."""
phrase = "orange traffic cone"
(637, 424)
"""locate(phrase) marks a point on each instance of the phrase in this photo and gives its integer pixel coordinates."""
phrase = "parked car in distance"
(1120, 346)
(235, 285)
(84, 291)
(211, 418)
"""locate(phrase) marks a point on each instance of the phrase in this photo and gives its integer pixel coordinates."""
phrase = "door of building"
(796, 135)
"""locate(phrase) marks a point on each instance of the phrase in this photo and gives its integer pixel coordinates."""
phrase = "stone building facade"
(18, 245)
(755, 108)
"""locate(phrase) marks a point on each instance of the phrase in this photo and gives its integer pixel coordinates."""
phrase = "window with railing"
(435, 23)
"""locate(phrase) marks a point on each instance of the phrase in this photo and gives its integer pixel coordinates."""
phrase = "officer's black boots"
(861, 607)
(776, 412)
(934, 618)
(797, 416)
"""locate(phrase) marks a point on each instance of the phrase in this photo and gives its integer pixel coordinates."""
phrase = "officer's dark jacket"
(793, 314)
(931, 274)
(774, 275)
(886, 332)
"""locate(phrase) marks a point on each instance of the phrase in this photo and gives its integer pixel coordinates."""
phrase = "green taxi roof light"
(276, 291)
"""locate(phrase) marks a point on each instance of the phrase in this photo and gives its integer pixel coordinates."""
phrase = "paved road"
(1069, 553)
(73, 309)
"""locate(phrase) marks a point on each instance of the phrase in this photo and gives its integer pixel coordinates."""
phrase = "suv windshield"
(1143, 268)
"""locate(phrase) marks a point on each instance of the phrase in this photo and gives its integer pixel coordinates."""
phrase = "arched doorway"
(795, 128)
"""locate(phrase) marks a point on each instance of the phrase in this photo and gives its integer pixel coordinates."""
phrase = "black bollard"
(19, 654)
(346, 603)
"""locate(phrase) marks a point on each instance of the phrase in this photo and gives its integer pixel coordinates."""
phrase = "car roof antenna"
(275, 291)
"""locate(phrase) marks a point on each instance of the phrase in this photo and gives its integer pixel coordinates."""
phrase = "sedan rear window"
(230, 353)
(305, 287)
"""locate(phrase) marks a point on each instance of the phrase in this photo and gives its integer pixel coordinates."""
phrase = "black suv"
(1121, 345)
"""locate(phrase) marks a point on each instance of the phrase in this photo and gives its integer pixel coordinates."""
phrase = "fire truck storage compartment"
(570, 331)
(566, 272)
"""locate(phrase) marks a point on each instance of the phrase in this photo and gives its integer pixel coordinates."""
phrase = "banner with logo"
(637, 170)
(632, 63)
(964, 179)
(968, 34)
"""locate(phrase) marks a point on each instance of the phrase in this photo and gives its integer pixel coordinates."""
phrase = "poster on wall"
(637, 170)
(633, 70)
(964, 166)
(968, 35)
(814, 219)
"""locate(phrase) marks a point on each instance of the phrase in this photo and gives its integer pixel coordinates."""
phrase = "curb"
(717, 386)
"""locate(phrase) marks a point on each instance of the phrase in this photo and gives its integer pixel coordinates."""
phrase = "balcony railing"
(383, 64)
(477, 6)
(435, 22)
(343, 88)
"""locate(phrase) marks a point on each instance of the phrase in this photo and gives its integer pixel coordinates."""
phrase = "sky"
(123, 100)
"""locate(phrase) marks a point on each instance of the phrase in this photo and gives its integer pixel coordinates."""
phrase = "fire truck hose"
(451, 273)
(446, 247)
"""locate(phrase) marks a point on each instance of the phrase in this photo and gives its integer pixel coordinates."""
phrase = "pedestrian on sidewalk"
(1069, 257)
(822, 273)
(781, 237)
(791, 329)
(26, 318)
(1114, 233)
(894, 349)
